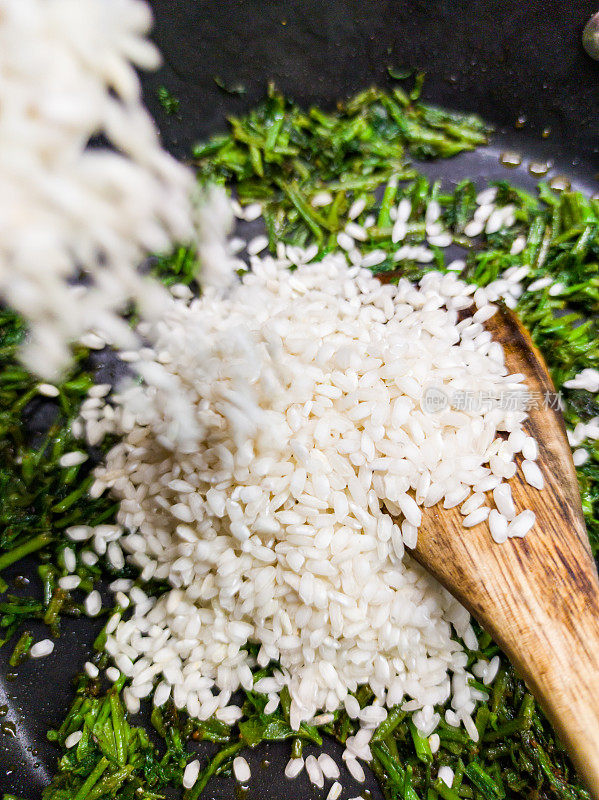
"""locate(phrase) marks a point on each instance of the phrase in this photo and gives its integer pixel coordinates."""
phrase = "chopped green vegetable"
(168, 101)
(283, 157)
(21, 650)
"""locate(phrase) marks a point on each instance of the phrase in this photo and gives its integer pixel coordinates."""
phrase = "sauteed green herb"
(283, 156)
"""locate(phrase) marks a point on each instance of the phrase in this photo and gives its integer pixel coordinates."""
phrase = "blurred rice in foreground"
(69, 210)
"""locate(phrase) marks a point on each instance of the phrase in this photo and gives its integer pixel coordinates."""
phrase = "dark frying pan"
(519, 64)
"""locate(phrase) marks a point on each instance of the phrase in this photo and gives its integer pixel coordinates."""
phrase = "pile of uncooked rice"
(279, 423)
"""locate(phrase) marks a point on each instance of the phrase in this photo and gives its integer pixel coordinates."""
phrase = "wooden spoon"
(537, 596)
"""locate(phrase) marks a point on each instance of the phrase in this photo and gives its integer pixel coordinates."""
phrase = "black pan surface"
(513, 62)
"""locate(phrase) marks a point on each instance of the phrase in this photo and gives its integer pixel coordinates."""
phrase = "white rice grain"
(73, 739)
(334, 791)
(241, 769)
(113, 674)
(502, 495)
(399, 230)
(473, 228)
(252, 211)
(356, 231)
(294, 767)
(476, 517)
(328, 766)
(190, 773)
(521, 524)
(257, 245)
(42, 648)
(492, 670)
(498, 525)
(352, 706)
(540, 283)
(70, 559)
(446, 774)
(443, 239)
(580, 456)
(345, 241)
(556, 289)
(91, 670)
(530, 449)
(532, 474)
(486, 196)
(79, 533)
(72, 459)
(355, 769)
(69, 582)
(47, 390)
(517, 247)
(93, 603)
(314, 772)
(356, 208)
(373, 258)
(321, 199)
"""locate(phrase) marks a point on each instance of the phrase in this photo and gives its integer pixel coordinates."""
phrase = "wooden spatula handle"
(538, 597)
(567, 687)
(546, 618)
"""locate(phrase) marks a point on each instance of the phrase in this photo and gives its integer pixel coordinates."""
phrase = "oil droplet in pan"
(241, 792)
(560, 183)
(9, 729)
(510, 159)
(539, 168)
